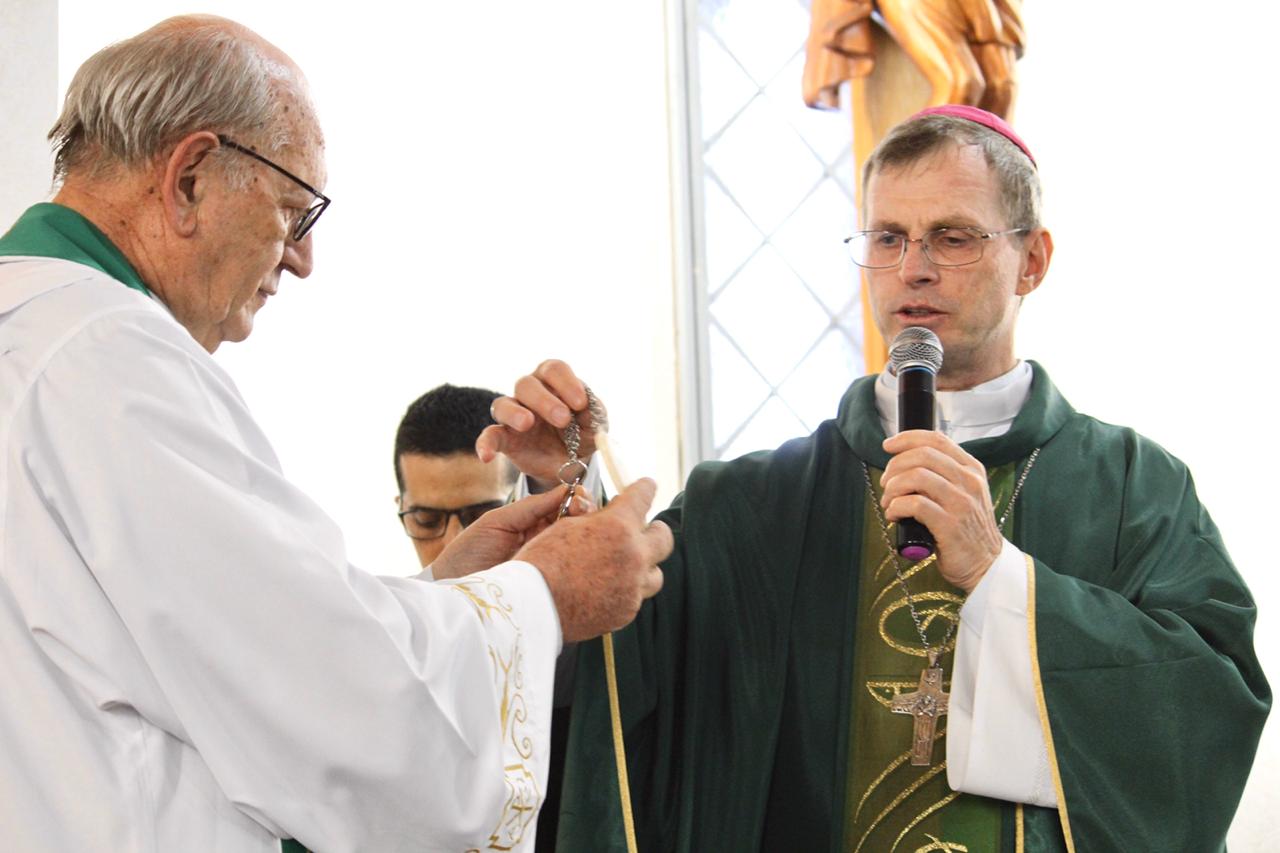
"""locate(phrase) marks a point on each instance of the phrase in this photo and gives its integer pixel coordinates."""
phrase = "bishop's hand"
(530, 423)
(931, 479)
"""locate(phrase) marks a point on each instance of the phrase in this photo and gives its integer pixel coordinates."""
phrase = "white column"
(28, 102)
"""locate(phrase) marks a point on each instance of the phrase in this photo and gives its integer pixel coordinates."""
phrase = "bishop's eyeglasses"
(426, 522)
(945, 247)
(307, 219)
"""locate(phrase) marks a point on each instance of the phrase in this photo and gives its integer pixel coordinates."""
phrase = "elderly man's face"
(971, 308)
(251, 245)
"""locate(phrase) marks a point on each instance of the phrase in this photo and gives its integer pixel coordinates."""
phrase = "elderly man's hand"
(530, 423)
(497, 535)
(600, 567)
(931, 479)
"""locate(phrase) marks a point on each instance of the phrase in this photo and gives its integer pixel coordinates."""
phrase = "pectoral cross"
(926, 704)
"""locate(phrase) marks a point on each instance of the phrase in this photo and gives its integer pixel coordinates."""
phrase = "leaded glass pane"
(736, 387)
(844, 176)
(850, 322)
(813, 390)
(770, 314)
(770, 426)
(827, 132)
(764, 164)
(783, 334)
(762, 34)
(730, 236)
(724, 87)
(811, 240)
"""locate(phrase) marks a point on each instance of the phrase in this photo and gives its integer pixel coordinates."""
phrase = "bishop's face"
(973, 308)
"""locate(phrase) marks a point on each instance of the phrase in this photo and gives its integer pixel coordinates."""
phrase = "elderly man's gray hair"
(132, 98)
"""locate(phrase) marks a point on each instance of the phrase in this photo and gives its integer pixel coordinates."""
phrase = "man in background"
(443, 485)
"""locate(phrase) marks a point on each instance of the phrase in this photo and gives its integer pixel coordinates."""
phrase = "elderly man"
(1081, 645)
(189, 662)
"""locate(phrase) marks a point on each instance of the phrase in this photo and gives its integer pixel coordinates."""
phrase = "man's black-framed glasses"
(312, 213)
(426, 522)
(946, 247)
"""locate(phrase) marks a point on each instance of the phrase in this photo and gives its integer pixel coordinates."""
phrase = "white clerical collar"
(983, 411)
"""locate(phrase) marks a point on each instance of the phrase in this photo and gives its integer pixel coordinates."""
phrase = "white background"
(500, 176)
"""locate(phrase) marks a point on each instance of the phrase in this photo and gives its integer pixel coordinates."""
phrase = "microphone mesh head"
(915, 346)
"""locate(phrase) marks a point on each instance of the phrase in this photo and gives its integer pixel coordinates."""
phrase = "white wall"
(28, 102)
(501, 196)
(1150, 121)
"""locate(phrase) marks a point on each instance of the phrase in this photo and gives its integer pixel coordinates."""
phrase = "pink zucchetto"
(978, 116)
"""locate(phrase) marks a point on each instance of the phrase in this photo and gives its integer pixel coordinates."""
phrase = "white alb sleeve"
(995, 743)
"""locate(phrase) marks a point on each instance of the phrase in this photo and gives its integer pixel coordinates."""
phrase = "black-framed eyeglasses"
(946, 247)
(312, 213)
(427, 522)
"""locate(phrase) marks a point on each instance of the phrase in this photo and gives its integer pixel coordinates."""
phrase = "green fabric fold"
(48, 230)
(735, 681)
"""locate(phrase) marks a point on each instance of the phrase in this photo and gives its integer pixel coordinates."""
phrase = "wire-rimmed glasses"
(309, 216)
(945, 247)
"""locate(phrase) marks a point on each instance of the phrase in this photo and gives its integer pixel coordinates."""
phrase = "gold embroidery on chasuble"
(507, 659)
(890, 804)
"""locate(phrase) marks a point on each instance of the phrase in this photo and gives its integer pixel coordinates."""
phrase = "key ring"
(582, 472)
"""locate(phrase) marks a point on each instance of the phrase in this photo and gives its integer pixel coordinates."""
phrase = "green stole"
(48, 230)
(889, 803)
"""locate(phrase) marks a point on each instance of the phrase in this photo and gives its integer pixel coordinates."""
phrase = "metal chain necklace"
(572, 472)
(929, 702)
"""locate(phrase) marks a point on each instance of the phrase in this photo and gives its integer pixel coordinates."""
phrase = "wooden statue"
(900, 56)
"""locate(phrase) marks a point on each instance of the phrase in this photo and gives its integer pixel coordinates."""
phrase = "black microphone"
(915, 357)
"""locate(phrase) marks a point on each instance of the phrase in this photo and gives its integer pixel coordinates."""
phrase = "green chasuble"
(737, 682)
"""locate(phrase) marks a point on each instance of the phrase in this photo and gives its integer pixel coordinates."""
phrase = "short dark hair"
(443, 421)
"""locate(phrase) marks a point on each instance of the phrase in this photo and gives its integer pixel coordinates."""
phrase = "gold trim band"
(619, 747)
(1044, 708)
